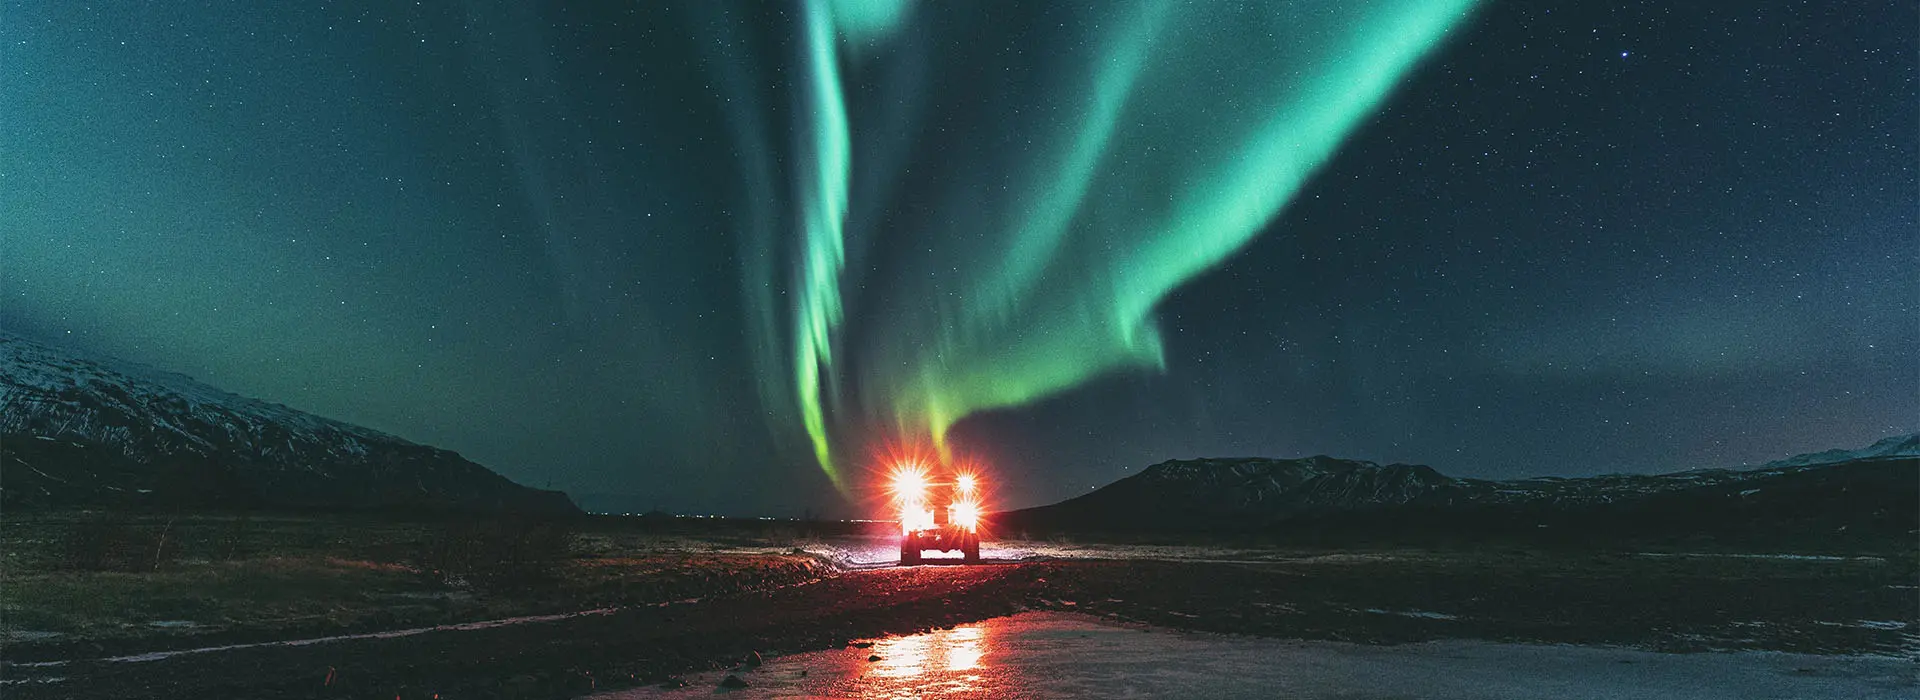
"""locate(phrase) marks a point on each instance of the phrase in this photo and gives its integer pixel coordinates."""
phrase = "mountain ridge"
(79, 431)
(1869, 488)
(1893, 446)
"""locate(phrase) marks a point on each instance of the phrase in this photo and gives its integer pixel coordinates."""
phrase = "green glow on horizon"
(1192, 126)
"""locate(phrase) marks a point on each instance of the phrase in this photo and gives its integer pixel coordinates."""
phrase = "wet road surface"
(1053, 655)
(1669, 604)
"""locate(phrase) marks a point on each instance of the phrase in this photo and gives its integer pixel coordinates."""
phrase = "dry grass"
(261, 577)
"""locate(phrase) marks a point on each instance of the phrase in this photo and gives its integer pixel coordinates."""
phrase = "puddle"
(1035, 655)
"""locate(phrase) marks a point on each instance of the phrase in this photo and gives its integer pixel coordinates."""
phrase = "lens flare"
(911, 488)
(910, 483)
(967, 514)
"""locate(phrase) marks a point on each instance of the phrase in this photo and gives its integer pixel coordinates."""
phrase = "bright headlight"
(966, 514)
(909, 483)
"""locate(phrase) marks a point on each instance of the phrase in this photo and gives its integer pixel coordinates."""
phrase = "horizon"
(604, 503)
(605, 499)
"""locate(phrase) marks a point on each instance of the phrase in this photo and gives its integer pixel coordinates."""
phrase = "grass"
(231, 577)
(277, 591)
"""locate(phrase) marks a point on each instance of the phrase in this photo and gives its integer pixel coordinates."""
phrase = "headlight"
(910, 489)
(967, 514)
(909, 483)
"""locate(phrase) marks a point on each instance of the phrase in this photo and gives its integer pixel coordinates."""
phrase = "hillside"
(1837, 494)
(78, 431)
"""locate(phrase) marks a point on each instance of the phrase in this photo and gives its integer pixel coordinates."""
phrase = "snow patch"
(1786, 557)
(1421, 614)
(1866, 624)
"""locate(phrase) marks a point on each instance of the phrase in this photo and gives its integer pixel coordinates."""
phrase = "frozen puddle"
(1035, 655)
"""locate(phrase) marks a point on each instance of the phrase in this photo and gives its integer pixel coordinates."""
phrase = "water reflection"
(937, 662)
(965, 653)
(902, 657)
(1046, 655)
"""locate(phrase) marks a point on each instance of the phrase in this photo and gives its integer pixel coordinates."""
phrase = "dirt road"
(1662, 604)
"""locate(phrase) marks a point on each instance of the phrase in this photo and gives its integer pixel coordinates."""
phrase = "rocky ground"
(1828, 605)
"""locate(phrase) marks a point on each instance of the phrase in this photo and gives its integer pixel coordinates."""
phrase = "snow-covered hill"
(77, 430)
(1894, 447)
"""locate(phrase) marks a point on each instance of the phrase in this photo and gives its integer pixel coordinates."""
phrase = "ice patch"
(1785, 557)
(48, 680)
(30, 635)
(1866, 624)
(1422, 614)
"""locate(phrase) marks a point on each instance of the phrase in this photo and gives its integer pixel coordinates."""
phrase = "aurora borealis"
(1043, 266)
(712, 256)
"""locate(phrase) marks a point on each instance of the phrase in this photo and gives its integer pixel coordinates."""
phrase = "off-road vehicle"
(938, 512)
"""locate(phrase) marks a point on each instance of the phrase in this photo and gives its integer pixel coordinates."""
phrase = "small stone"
(751, 660)
(732, 681)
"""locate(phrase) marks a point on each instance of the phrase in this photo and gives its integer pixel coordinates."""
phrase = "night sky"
(716, 257)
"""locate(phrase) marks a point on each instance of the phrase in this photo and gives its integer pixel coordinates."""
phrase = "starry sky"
(721, 257)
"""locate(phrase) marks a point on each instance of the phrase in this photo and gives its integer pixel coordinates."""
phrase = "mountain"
(1867, 493)
(1893, 447)
(1208, 493)
(78, 431)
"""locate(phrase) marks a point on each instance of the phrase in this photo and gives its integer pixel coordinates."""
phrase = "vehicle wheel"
(972, 551)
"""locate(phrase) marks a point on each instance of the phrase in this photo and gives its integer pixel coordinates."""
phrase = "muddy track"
(1679, 609)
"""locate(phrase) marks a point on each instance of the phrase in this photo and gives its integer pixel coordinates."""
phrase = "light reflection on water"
(938, 662)
(979, 660)
(1048, 655)
(965, 653)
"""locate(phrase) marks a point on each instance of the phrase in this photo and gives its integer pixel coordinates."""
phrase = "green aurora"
(1191, 127)
(1169, 135)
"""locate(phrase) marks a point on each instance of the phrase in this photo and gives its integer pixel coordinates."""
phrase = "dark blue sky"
(1623, 237)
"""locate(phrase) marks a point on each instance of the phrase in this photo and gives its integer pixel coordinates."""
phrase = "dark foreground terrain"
(664, 606)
